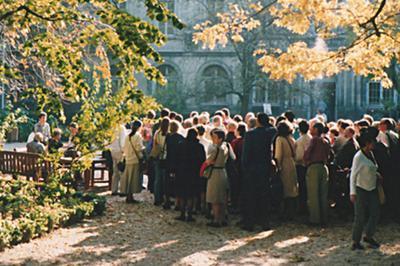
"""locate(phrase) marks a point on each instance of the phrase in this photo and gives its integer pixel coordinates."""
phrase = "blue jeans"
(159, 182)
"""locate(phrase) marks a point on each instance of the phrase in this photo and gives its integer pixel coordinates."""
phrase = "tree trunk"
(245, 102)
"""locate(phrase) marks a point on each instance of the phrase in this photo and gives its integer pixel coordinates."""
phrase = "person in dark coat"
(344, 158)
(256, 161)
(237, 146)
(344, 162)
(191, 156)
(173, 141)
(391, 180)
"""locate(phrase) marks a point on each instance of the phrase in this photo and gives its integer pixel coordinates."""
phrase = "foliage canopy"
(371, 29)
(82, 51)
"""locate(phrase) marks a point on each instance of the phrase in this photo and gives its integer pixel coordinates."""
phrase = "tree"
(371, 29)
(86, 52)
(243, 46)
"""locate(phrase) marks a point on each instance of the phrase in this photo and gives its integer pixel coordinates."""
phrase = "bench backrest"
(21, 163)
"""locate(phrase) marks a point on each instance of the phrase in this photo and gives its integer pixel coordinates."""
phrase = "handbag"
(206, 169)
(142, 161)
(121, 165)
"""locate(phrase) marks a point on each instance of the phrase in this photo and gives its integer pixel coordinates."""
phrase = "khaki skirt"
(130, 181)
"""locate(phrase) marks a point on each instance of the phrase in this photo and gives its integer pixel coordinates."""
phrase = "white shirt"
(132, 144)
(363, 173)
(44, 129)
(382, 137)
(117, 145)
(300, 147)
(206, 144)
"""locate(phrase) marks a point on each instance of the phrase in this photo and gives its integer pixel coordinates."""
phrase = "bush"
(27, 213)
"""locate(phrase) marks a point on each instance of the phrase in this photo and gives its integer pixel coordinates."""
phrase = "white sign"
(267, 108)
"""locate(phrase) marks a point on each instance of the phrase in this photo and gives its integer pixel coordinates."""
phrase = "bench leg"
(87, 177)
(109, 180)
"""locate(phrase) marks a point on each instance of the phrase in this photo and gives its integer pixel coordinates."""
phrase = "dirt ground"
(143, 234)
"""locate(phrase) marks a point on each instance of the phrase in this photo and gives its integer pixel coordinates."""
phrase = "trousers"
(317, 193)
(367, 203)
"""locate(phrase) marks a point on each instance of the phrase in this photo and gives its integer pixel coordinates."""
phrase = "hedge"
(29, 210)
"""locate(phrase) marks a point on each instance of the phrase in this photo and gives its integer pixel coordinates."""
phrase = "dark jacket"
(173, 142)
(344, 157)
(190, 155)
(230, 137)
(257, 147)
(54, 145)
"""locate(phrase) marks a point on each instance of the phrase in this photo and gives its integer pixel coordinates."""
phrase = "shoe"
(372, 243)
(157, 203)
(247, 228)
(180, 218)
(122, 195)
(209, 216)
(310, 224)
(214, 224)
(224, 224)
(166, 207)
(132, 201)
(115, 194)
(190, 219)
(240, 223)
(357, 246)
(265, 227)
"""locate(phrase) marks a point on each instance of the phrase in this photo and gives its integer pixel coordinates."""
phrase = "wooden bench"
(33, 166)
(26, 164)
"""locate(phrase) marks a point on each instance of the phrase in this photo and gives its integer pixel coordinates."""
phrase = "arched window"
(170, 74)
(214, 84)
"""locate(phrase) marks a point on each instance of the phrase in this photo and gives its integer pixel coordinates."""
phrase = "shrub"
(27, 213)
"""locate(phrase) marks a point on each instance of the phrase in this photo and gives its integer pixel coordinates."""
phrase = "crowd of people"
(44, 140)
(256, 165)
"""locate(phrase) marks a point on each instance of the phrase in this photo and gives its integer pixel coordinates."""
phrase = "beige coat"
(284, 155)
(217, 185)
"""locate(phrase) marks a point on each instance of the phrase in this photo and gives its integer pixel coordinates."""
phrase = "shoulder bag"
(155, 149)
(142, 161)
(207, 169)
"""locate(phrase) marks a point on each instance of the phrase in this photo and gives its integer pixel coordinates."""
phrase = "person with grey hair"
(36, 146)
(252, 123)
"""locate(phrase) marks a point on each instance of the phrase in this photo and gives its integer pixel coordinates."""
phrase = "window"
(387, 95)
(374, 92)
(170, 74)
(215, 83)
(260, 95)
(215, 6)
(122, 5)
(274, 91)
(166, 27)
(377, 94)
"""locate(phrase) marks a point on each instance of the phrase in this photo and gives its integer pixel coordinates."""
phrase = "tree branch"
(10, 13)
(31, 12)
(372, 20)
(264, 8)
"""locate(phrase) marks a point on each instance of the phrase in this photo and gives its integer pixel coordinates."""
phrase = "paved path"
(14, 145)
(146, 235)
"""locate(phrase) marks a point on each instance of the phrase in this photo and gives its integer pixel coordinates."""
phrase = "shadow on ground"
(143, 234)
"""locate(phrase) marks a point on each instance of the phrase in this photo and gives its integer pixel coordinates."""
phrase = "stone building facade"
(197, 75)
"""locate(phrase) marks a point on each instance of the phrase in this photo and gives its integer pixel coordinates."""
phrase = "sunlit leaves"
(88, 52)
(371, 30)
